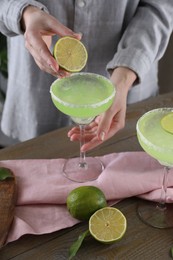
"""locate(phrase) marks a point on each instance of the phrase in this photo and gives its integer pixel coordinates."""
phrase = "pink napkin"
(42, 189)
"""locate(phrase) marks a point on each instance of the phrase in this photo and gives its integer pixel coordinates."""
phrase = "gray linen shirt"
(130, 33)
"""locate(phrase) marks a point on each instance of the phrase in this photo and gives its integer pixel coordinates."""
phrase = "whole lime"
(83, 201)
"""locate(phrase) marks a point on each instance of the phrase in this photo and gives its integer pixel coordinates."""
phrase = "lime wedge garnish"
(167, 122)
(5, 173)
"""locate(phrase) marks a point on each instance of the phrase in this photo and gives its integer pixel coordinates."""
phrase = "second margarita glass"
(157, 141)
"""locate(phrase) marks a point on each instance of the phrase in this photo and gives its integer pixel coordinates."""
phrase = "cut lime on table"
(167, 122)
(70, 54)
(107, 225)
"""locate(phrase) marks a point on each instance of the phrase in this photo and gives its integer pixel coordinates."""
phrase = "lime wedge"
(107, 225)
(167, 122)
(70, 54)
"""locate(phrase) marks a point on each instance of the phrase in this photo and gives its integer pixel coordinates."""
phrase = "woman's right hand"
(39, 27)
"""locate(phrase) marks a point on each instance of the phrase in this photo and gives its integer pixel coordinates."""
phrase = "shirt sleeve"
(145, 38)
(11, 13)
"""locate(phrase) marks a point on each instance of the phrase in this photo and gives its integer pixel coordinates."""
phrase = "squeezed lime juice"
(82, 95)
(153, 138)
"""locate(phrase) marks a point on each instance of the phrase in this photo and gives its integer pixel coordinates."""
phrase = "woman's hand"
(39, 27)
(109, 123)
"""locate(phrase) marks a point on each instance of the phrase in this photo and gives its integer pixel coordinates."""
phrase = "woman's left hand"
(110, 122)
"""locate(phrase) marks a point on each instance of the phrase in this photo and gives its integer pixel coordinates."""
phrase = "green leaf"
(3, 56)
(76, 245)
(172, 252)
(5, 173)
(3, 63)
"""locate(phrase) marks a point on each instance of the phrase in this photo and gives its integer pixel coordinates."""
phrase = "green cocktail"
(82, 96)
(155, 137)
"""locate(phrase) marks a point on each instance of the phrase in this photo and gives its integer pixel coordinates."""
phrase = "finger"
(91, 144)
(61, 30)
(104, 124)
(62, 73)
(97, 119)
(72, 131)
(91, 125)
(40, 51)
(77, 137)
(47, 67)
(86, 134)
(76, 130)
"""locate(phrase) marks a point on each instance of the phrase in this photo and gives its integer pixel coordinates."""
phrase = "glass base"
(83, 172)
(150, 213)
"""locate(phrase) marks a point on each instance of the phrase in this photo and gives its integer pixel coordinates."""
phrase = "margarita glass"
(82, 96)
(158, 143)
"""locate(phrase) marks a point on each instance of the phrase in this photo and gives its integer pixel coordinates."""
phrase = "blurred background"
(165, 79)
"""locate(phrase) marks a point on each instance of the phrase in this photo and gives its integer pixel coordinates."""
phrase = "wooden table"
(140, 241)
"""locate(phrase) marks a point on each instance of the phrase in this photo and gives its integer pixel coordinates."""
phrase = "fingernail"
(102, 135)
(78, 34)
(81, 34)
(61, 74)
(53, 68)
(82, 150)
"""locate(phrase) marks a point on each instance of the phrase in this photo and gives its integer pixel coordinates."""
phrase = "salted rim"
(84, 106)
(144, 139)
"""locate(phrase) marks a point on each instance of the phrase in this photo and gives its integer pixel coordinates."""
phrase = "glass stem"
(82, 160)
(162, 203)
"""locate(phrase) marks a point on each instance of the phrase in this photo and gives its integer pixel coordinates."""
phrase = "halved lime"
(167, 122)
(70, 54)
(107, 225)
